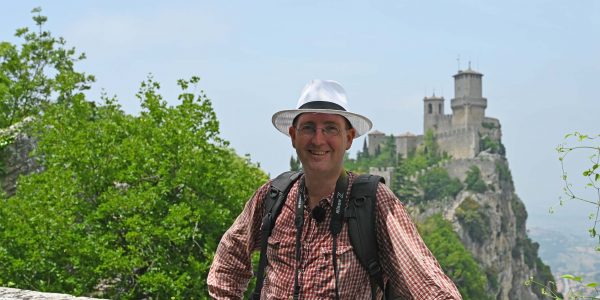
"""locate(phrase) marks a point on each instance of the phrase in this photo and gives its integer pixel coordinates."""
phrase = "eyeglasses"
(311, 130)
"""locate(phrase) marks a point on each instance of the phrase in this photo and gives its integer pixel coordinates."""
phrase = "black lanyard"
(339, 197)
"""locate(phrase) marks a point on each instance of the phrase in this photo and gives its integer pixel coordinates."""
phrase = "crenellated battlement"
(456, 132)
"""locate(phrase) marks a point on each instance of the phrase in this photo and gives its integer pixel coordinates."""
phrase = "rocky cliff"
(491, 225)
(15, 147)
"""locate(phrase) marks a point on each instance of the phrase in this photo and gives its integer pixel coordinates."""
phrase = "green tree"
(456, 261)
(365, 149)
(295, 164)
(128, 207)
(38, 70)
(430, 148)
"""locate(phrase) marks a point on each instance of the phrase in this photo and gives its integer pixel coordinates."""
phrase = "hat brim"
(282, 120)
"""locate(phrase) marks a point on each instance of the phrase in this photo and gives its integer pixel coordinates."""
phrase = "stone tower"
(376, 139)
(433, 109)
(468, 104)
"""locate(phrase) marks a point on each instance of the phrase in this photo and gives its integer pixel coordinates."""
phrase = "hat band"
(321, 105)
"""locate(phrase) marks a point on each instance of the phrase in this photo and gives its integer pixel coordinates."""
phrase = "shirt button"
(290, 298)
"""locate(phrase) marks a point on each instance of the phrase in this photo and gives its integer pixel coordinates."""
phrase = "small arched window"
(440, 108)
(430, 108)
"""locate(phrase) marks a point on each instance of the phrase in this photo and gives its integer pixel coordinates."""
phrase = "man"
(315, 264)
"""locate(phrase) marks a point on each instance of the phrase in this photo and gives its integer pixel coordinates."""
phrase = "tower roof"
(433, 97)
(467, 71)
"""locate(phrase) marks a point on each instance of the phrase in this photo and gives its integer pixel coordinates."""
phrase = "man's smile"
(318, 152)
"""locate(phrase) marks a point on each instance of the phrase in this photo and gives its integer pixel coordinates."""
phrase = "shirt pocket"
(344, 257)
(280, 253)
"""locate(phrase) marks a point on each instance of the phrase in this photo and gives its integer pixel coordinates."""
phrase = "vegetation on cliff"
(456, 261)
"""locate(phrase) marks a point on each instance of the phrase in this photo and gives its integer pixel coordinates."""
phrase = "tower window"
(440, 108)
(430, 108)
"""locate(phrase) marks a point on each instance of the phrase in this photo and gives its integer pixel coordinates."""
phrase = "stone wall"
(386, 173)
(459, 143)
(407, 143)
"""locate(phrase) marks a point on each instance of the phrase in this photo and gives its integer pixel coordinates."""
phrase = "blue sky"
(539, 59)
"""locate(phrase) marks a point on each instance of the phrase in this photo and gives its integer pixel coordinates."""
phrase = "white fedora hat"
(322, 96)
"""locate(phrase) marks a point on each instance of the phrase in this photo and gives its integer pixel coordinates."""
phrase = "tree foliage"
(124, 206)
(474, 219)
(38, 70)
(133, 206)
(473, 180)
(295, 164)
(456, 261)
(437, 184)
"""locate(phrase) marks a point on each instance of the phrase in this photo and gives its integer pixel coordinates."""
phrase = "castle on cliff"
(459, 134)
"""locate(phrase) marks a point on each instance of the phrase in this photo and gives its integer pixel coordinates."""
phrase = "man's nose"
(319, 136)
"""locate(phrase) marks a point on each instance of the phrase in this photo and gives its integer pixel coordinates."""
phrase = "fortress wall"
(445, 123)
(406, 144)
(458, 167)
(385, 172)
(476, 116)
(494, 121)
(460, 143)
(494, 133)
(437, 122)
(458, 117)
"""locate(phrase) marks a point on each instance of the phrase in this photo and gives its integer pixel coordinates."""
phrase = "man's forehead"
(322, 117)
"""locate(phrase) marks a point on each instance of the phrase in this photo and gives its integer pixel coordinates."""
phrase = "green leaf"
(571, 277)
(592, 285)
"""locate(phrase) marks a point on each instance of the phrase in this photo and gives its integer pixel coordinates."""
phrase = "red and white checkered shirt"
(408, 265)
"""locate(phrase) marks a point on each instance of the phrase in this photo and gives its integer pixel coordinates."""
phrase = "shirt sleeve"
(231, 268)
(409, 266)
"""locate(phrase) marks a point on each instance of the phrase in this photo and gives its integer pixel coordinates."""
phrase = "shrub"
(437, 184)
(473, 180)
(476, 223)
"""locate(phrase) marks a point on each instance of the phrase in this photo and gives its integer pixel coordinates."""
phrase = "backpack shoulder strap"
(280, 187)
(360, 214)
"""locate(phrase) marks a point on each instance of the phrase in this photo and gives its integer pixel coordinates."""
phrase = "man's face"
(321, 140)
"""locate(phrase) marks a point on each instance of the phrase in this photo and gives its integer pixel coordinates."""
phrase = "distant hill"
(568, 253)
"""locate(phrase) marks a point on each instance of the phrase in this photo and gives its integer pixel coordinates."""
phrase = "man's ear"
(292, 133)
(351, 133)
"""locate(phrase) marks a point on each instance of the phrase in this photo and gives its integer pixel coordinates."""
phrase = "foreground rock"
(16, 294)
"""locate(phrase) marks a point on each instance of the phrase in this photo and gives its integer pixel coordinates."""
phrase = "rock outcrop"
(491, 225)
(15, 159)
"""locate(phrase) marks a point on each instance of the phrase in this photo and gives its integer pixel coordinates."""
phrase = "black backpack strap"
(360, 214)
(280, 187)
